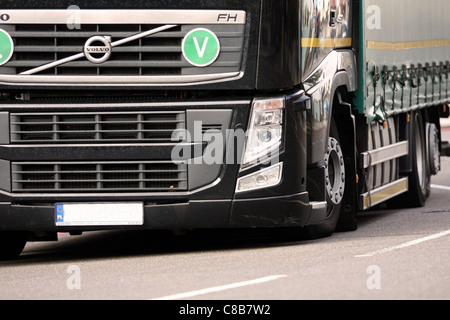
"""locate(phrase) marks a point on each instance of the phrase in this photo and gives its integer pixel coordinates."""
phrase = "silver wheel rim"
(334, 171)
(436, 154)
(433, 148)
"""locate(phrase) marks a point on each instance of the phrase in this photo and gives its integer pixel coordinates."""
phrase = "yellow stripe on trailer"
(326, 42)
(396, 46)
(383, 193)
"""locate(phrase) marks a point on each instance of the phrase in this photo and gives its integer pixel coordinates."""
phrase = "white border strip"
(404, 245)
(435, 186)
(191, 294)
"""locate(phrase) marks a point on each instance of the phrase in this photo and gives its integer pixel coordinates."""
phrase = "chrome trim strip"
(113, 195)
(318, 205)
(125, 16)
(391, 152)
(141, 35)
(105, 81)
(383, 193)
(82, 54)
(54, 64)
(46, 106)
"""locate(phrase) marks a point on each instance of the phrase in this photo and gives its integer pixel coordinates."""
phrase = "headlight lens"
(265, 130)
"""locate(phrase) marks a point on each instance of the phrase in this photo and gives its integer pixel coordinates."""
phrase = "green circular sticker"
(201, 47)
(6, 47)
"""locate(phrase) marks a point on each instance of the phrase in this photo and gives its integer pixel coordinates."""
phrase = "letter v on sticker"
(201, 47)
(201, 52)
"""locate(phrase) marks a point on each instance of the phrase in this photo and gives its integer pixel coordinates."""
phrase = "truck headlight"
(265, 130)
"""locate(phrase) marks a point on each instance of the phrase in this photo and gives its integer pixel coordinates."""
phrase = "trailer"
(290, 115)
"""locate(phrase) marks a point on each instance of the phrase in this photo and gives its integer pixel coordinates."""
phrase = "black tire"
(335, 180)
(419, 178)
(12, 244)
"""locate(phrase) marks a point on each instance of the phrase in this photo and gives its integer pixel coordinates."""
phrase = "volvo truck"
(294, 115)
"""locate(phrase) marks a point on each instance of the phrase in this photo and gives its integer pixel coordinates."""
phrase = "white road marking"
(435, 186)
(191, 294)
(404, 245)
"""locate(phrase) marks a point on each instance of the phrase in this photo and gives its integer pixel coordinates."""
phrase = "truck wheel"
(12, 244)
(434, 154)
(334, 185)
(419, 177)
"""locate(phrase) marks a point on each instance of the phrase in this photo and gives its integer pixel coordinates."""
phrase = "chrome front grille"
(98, 127)
(154, 59)
(40, 44)
(48, 177)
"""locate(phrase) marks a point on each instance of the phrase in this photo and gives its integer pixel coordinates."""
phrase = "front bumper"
(208, 199)
(277, 211)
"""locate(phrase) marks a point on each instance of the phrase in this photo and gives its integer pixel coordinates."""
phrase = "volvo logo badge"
(98, 49)
(5, 17)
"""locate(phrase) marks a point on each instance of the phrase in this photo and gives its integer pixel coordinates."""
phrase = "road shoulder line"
(404, 245)
(191, 294)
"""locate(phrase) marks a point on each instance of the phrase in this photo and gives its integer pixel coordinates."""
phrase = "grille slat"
(159, 54)
(113, 64)
(74, 50)
(61, 128)
(101, 177)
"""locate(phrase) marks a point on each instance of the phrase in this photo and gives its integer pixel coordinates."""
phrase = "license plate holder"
(99, 214)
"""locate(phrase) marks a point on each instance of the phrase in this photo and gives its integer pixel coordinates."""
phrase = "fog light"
(265, 178)
(261, 179)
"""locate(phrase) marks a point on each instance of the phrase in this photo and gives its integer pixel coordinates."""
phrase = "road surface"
(394, 254)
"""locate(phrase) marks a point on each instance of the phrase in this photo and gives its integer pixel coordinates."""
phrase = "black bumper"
(208, 200)
(266, 212)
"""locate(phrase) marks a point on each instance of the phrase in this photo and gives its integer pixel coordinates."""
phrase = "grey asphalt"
(394, 254)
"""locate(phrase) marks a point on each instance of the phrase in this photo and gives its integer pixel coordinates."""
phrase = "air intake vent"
(77, 128)
(211, 128)
(76, 177)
